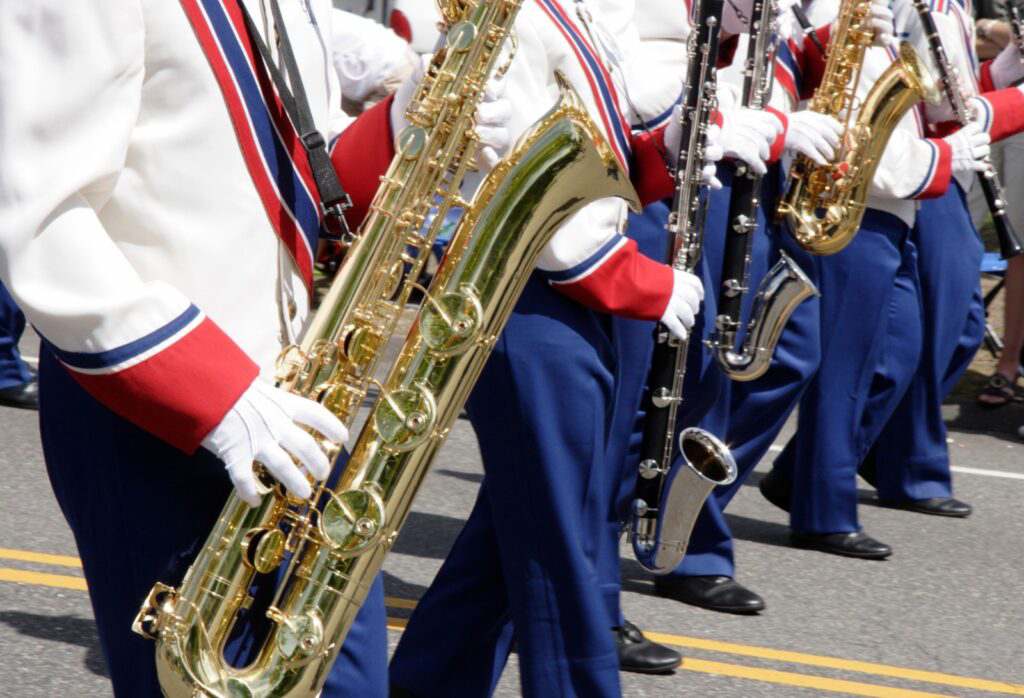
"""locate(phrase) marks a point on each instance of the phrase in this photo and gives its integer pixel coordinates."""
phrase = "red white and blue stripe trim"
(598, 77)
(580, 271)
(662, 119)
(177, 382)
(939, 172)
(135, 352)
(270, 145)
(787, 69)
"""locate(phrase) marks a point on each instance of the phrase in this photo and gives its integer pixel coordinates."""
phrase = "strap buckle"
(335, 226)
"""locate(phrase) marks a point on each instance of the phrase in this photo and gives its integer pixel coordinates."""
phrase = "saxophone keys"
(299, 638)
(352, 521)
(290, 363)
(405, 418)
(263, 549)
(450, 323)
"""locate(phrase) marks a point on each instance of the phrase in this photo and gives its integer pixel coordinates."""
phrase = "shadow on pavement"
(428, 535)
(70, 630)
(468, 477)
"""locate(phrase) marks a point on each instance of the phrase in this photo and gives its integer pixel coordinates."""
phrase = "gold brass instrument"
(326, 551)
(824, 205)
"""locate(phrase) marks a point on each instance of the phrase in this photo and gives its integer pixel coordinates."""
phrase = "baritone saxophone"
(325, 552)
(824, 205)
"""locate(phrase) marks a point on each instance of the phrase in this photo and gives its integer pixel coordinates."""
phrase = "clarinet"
(667, 499)
(1010, 244)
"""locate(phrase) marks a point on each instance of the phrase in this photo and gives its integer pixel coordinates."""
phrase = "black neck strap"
(333, 198)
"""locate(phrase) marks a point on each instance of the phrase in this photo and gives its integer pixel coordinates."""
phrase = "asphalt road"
(945, 615)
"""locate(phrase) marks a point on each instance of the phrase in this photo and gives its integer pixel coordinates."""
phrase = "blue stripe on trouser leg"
(821, 459)
(541, 410)
(911, 456)
(13, 370)
(140, 511)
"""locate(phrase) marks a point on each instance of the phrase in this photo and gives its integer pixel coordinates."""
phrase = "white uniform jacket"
(161, 247)
(1002, 110)
(589, 259)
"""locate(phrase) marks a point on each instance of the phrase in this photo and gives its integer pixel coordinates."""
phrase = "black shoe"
(855, 544)
(640, 655)
(722, 594)
(24, 396)
(936, 506)
(775, 490)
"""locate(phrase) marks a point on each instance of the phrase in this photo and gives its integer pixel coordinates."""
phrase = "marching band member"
(909, 464)
(864, 287)
(706, 575)
(525, 567)
(144, 146)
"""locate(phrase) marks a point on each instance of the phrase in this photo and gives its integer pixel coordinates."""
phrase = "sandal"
(998, 391)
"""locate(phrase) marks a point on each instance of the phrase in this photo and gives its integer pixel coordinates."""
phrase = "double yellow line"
(787, 678)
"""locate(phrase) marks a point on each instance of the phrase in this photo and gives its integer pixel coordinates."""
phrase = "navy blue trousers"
(911, 456)
(140, 511)
(525, 566)
(869, 296)
(13, 370)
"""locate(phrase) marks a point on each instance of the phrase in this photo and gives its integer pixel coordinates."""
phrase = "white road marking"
(988, 473)
(776, 448)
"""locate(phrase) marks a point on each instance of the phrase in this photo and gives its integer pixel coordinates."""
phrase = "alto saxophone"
(326, 551)
(786, 285)
(668, 495)
(825, 205)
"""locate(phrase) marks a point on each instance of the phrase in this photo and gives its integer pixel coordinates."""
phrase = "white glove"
(1008, 66)
(882, 22)
(713, 151)
(262, 427)
(815, 135)
(970, 147)
(748, 134)
(687, 294)
(492, 116)
(492, 124)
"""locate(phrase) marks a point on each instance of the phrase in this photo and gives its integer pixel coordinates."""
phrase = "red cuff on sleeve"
(727, 51)
(1006, 112)
(941, 171)
(180, 392)
(985, 81)
(361, 155)
(649, 171)
(779, 144)
(627, 283)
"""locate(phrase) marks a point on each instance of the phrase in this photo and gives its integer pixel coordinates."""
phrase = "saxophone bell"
(780, 292)
(660, 541)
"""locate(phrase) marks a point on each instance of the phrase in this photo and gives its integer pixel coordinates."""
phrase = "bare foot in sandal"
(999, 391)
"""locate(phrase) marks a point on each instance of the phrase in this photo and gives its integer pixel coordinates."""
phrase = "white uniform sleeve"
(71, 80)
